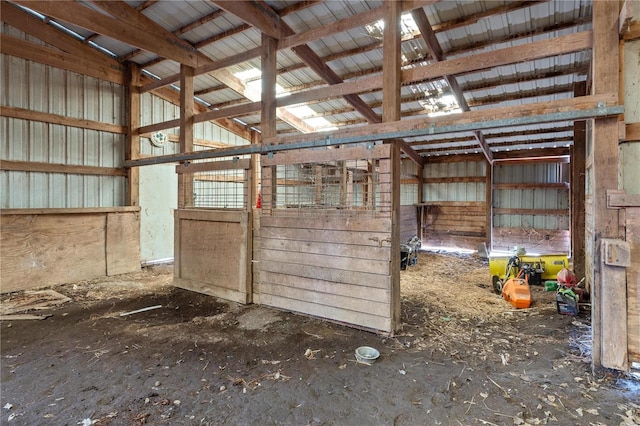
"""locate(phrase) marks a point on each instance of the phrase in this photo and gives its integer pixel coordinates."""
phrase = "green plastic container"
(550, 285)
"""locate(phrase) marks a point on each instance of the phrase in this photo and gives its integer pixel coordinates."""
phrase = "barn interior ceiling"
(457, 56)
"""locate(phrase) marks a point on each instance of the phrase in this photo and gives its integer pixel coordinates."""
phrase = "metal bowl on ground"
(367, 354)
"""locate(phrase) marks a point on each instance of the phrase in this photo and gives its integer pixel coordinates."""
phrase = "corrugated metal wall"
(37, 87)
(532, 198)
(454, 191)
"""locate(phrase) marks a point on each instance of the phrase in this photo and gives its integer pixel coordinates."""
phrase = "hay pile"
(452, 286)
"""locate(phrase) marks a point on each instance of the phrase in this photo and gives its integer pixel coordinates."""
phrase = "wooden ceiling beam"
(161, 43)
(346, 24)
(508, 55)
(256, 13)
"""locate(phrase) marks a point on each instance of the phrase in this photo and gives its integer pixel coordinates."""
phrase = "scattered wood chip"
(19, 317)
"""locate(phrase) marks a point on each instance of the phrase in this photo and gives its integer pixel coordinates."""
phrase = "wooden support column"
(268, 107)
(578, 161)
(608, 324)
(489, 203)
(185, 180)
(420, 199)
(132, 150)
(391, 97)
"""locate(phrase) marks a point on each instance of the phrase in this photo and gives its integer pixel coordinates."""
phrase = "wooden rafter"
(256, 13)
(156, 41)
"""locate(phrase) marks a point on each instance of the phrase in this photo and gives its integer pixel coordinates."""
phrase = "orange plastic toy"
(516, 291)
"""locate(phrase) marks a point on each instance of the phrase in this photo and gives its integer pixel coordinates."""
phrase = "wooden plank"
(213, 166)
(209, 253)
(229, 112)
(368, 321)
(357, 292)
(362, 239)
(151, 128)
(33, 166)
(10, 212)
(49, 56)
(605, 168)
(632, 132)
(123, 243)
(362, 279)
(454, 179)
(269, 66)
(633, 32)
(328, 223)
(614, 312)
(166, 44)
(327, 261)
(45, 250)
(132, 147)
(45, 117)
(623, 200)
(305, 156)
(633, 284)
(339, 301)
(207, 288)
(211, 215)
(322, 248)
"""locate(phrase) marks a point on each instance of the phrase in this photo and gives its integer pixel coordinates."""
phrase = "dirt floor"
(464, 357)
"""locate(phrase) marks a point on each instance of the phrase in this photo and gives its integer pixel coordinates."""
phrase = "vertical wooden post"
(185, 180)
(578, 160)
(391, 112)
(489, 203)
(420, 199)
(605, 322)
(132, 150)
(268, 118)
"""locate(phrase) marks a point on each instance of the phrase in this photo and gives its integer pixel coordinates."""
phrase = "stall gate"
(213, 236)
(326, 241)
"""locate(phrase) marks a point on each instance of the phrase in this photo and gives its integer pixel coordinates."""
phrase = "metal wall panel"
(454, 191)
(37, 87)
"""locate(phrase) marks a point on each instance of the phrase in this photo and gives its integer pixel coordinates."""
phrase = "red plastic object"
(567, 278)
(516, 291)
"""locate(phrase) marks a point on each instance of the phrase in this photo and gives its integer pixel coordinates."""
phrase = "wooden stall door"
(213, 244)
(326, 236)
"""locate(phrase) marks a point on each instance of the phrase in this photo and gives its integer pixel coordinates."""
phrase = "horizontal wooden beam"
(560, 110)
(633, 33)
(45, 117)
(617, 199)
(534, 160)
(257, 14)
(80, 210)
(32, 166)
(535, 50)
(631, 132)
(56, 58)
(410, 152)
(535, 212)
(165, 45)
(169, 124)
(345, 24)
(456, 179)
(233, 111)
(213, 166)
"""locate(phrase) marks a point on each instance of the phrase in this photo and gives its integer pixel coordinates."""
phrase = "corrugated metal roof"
(462, 28)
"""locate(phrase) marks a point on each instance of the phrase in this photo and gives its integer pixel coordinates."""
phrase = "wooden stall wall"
(213, 238)
(46, 247)
(329, 262)
(211, 253)
(453, 210)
